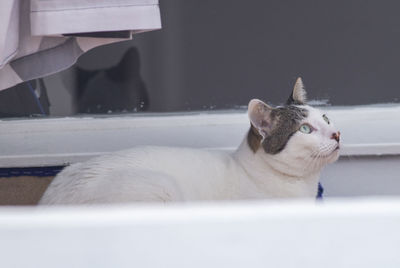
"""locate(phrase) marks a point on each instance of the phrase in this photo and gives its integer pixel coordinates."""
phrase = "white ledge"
(366, 131)
(377, 149)
(339, 233)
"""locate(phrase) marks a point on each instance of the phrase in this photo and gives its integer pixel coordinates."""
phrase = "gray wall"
(353, 176)
(219, 54)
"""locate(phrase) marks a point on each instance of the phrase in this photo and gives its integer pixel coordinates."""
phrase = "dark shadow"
(117, 89)
(25, 99)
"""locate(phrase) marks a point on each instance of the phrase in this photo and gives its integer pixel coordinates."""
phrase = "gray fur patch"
(253, 138)
(286, 122)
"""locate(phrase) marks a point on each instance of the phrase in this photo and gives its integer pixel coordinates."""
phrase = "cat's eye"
(305, 129)
(326, 119)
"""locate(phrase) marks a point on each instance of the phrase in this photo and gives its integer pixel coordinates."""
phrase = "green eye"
(305, 129)
(326, 119)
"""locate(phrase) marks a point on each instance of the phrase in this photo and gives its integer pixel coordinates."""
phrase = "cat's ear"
(299, 94)
(260, 116)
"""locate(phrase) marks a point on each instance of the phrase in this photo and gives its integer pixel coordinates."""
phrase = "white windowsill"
(366, 130)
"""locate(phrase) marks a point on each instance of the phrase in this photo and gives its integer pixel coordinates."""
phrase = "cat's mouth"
(334, 152)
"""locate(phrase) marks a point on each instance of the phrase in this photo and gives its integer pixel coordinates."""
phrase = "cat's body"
(173, 174)
(275, 160)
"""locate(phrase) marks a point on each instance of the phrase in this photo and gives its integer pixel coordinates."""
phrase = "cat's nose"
(336, 136)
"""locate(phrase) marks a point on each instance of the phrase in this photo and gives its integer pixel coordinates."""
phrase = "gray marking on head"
(286, 122)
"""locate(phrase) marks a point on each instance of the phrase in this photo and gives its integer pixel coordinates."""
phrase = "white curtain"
(42, 37)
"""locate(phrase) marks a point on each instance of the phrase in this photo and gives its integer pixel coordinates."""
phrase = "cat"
(281, 157)
(116, 89)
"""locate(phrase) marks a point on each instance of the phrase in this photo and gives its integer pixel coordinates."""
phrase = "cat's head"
(295, 135)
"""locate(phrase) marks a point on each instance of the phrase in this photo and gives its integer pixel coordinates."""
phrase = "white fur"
(181, 174)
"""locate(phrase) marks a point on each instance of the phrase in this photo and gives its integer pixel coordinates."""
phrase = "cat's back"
(130, 174)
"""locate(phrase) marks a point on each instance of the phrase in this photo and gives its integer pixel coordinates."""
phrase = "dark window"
(220, 54)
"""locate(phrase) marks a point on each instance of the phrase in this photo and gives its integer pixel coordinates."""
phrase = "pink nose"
(336, 136)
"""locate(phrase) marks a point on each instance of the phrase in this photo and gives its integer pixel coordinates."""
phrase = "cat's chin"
(334, 155)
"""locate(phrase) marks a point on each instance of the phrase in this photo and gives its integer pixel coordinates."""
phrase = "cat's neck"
(267, 173)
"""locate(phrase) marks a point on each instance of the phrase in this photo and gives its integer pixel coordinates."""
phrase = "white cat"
(281, 157)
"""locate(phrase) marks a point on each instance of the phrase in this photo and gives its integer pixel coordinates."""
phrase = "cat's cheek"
(309, 144)
(300, 146)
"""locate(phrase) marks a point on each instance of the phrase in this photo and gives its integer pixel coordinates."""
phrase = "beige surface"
(22, 190)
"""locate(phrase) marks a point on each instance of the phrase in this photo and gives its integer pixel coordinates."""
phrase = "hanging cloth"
(42, 37)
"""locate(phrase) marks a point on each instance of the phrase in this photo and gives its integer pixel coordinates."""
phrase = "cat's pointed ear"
(299, 94)
(260, 116)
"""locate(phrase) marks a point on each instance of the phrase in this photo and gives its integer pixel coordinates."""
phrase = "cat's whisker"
(316, 160)
(305, 167)
(312, 164)
(311, 160)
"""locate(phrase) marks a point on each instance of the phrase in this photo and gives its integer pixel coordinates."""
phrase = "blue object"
(30, 171)
(320, 191)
